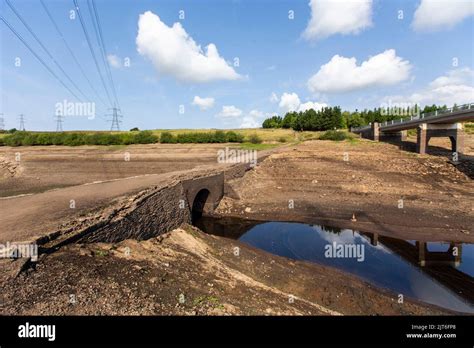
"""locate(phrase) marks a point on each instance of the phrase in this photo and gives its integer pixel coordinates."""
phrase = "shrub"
(29, 139)
(219, 137)
(144, 137)
(19, 138)
(209, 137)
(57, 138)
(167, 138)
(282, 140)
(76, 139)
(233, 137)
(255, 139)
(44, 139)
(14, 139)
(335, 135)
(72, 139)
(93, 139)
(134, 129)
(194, 137)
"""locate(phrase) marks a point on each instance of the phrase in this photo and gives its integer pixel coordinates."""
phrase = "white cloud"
(273, 98)
(229, 111)
(203, 103)
(249, 122)
(232, 115)
(291, 102)
(253, 119)
(454, 77)
(256, 114)
(175, 53)
(329, 17)
(434, 15)
(312, 105)
(342, 74)
(456, 87)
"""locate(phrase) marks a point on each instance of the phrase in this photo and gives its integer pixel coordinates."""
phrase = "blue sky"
(284, 63)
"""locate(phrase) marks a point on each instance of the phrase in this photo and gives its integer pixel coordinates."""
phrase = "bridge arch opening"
(436, 149)
(454, 144)
(198, 204)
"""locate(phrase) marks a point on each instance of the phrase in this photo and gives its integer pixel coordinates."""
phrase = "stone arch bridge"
(165, 208)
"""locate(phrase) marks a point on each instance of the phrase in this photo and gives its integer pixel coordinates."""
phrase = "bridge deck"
(452, 115)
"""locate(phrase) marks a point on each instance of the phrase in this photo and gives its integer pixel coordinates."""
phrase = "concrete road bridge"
(440, 123)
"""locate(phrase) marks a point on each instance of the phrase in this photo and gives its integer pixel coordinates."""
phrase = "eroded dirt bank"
(388, 190)
(186, 272)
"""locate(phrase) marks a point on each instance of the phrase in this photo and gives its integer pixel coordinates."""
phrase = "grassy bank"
(266, 135)
(249, 137)
(77, 138)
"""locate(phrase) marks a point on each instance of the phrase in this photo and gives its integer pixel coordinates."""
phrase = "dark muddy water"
(439, 273)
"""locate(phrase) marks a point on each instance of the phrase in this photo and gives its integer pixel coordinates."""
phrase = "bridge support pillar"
(421, 253)
(374, 239)
(427, 131)
(421, 138)
(375, 131)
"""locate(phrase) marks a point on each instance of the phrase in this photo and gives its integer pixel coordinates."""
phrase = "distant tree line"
(324, 119)
(23, 138)
(332, 118)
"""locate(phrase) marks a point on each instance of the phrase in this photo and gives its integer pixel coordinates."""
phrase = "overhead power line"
(103, 49)
(38, 57)
(89, 43)
(81, 69)
(30, 30)
(100, 39)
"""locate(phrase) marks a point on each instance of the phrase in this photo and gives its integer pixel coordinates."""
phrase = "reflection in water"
(433, 272)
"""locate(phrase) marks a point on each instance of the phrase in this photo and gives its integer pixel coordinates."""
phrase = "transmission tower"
(59, 122)
(22, 122)
(115, 121)
(2, 122)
